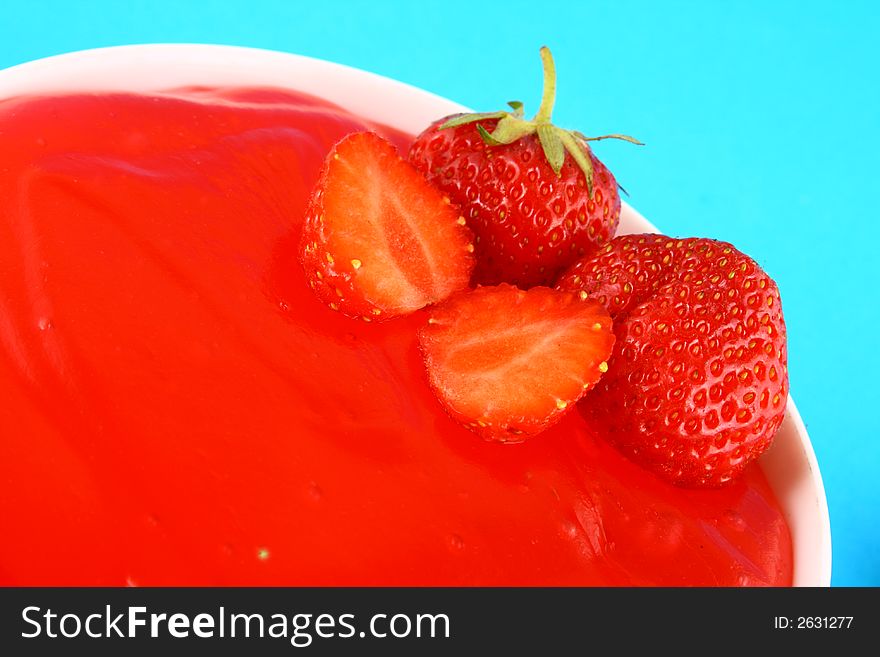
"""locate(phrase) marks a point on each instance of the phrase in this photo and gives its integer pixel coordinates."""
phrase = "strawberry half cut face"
(509, 363)
(378, 240)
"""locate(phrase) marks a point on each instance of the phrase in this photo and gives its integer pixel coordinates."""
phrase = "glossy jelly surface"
(177, 408)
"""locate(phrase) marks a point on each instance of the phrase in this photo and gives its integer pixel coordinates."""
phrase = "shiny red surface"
(177, 408)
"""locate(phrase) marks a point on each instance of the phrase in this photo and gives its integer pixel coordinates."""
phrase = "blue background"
(761, 121)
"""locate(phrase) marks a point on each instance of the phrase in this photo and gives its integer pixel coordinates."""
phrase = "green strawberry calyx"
(555, 141)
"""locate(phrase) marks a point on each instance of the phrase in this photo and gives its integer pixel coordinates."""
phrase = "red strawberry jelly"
(176, 407)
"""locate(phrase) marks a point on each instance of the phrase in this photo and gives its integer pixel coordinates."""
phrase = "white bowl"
(790, 464)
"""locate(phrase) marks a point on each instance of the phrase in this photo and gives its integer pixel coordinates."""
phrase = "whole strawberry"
(623, 272)
(697, 384)
(533, 210)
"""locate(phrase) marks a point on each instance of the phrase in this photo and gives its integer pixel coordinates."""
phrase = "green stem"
(548, 98)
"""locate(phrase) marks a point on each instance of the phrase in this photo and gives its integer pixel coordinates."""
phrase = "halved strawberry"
(379, 240)
(509, 363)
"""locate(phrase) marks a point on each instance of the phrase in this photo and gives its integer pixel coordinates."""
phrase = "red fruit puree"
(176, 407)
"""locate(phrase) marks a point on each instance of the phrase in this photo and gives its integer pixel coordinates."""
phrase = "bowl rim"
(115, 68)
